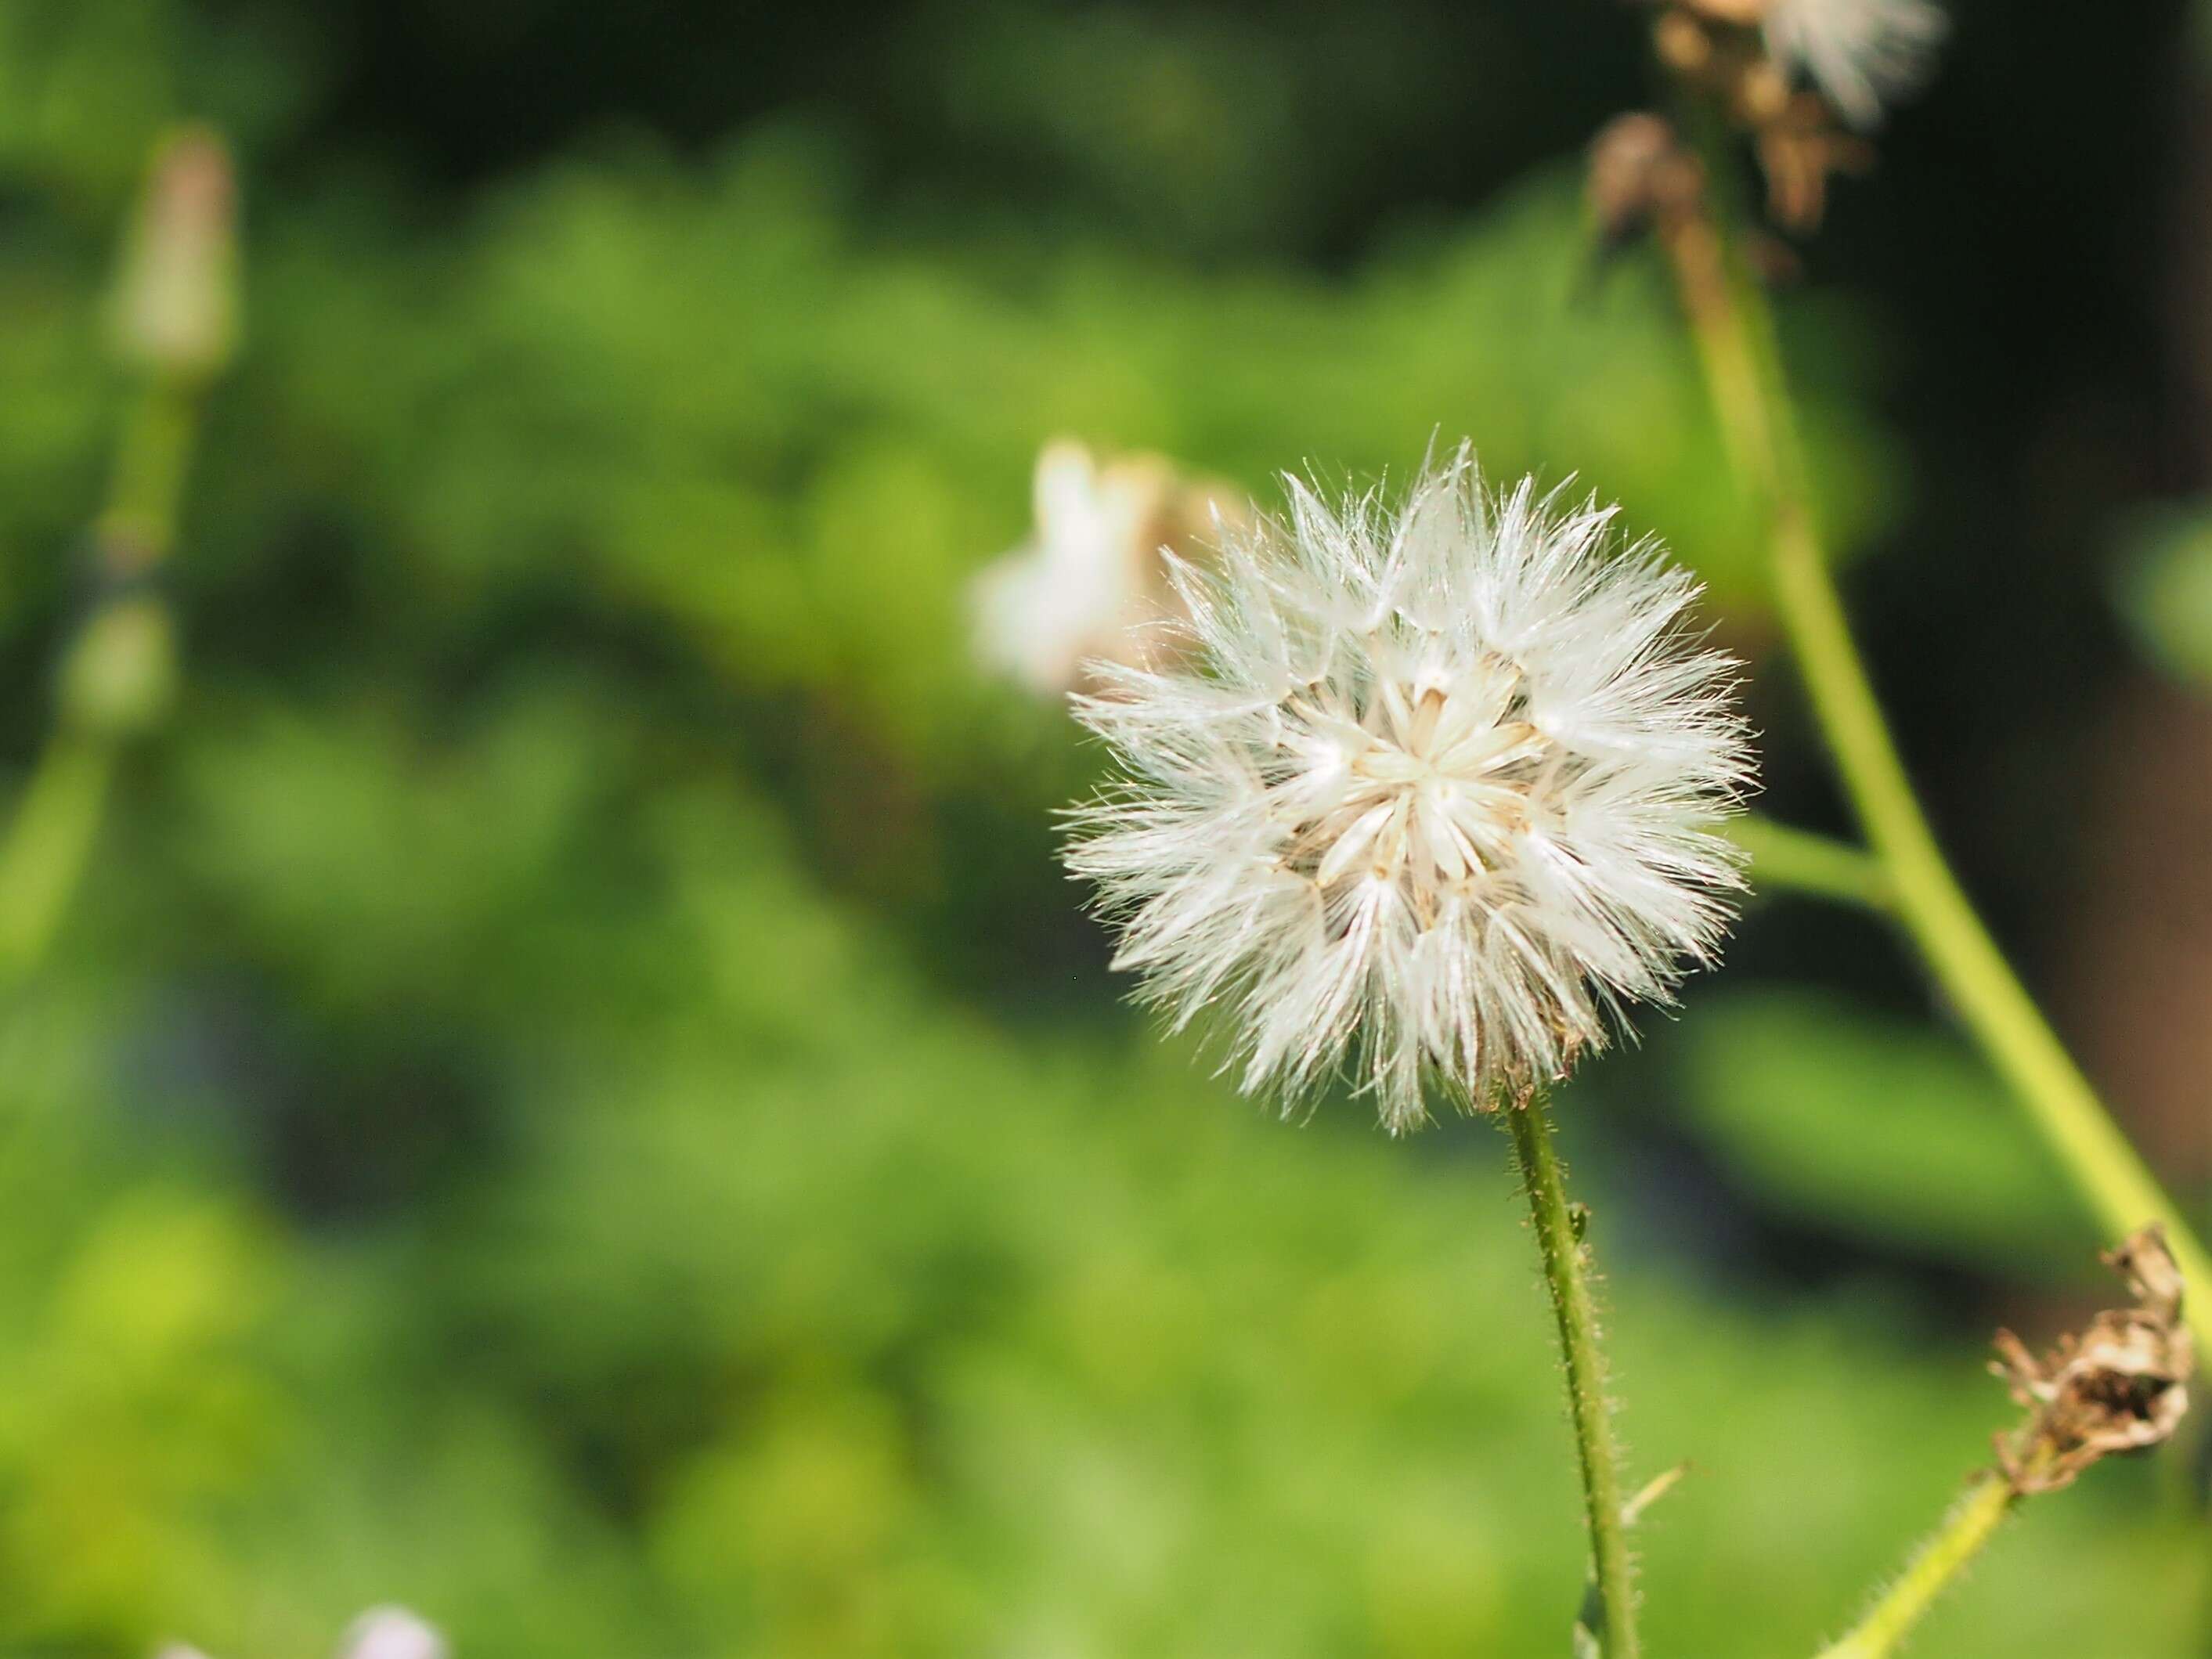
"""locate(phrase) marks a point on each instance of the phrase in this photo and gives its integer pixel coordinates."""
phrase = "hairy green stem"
(1733, 331)
(1567, 1277)
(1971, 1524)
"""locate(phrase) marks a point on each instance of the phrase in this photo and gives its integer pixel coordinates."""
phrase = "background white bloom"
(1434, 795)
(382, 1632)
(1091, 583)
(1861, 53)
(392, 1633)
(1086, 579)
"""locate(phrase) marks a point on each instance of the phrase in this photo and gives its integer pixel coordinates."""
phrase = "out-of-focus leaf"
(2164, 592)
(1866, 1124)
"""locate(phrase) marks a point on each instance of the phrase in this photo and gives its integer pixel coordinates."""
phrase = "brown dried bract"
(1723, 58)
(2120, 1386)
(1715, 47)
(1639, 176)
(1744, 13)
(1799, 149)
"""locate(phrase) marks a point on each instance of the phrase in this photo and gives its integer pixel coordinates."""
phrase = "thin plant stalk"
(125, 644)
(1783, 856)
(42, 858)
(1934, 1566)
(1733, 333)
(175, 327)
(2120, 1385)
(1567, 1277)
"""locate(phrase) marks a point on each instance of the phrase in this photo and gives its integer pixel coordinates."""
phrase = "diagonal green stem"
(47, 845)
(175, 329)
(1970, 1525)
(1567, 1277)
(1734, 332)
(44, 852)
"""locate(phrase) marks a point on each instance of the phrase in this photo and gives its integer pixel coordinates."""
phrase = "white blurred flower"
(380, 1634)
(1090, 583)
(391, 1633)
(1861, 53)
(1433, 795)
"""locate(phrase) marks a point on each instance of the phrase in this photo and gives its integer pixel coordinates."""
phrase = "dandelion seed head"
(1862, 54)
(1430, 794)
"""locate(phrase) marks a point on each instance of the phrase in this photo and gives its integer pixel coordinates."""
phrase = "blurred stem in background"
(1567, 1276)
(1737, 348)
(175, 328)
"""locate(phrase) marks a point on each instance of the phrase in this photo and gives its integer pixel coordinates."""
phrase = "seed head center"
(1438, 790)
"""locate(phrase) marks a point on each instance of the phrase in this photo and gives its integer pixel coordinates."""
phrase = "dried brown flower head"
(1721, 58)
(1800, 149)
(1802, 77)
(1639, 175)
(1744, 14)
(2120, 1386)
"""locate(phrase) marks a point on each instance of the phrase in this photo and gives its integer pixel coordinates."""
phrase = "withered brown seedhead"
(1714, 47)
(1721, 57)
(1744, 14)
(1640, 176)
(1799, 150)
(2120, 1385)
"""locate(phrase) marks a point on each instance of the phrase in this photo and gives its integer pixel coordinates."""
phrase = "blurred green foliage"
(576, 1097)
(800, 1311)
(2165, 590)
(1881, 1129)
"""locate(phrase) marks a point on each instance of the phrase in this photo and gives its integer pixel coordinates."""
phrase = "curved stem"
(1972, 1524)
(1734, 332)
(1567, 1277)
(1785, 856)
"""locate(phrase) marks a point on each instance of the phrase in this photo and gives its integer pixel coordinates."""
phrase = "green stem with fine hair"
(1732, 329)
(1970, 1525)
(1567, 1277)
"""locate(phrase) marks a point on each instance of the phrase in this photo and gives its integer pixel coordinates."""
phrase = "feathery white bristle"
(1862, 54)
(1433, 792)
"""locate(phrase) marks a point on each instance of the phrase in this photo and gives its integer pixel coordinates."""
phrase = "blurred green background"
(574, 1095)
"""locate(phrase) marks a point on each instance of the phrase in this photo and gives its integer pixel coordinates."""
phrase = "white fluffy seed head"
(1431, 793)
(1861, 54)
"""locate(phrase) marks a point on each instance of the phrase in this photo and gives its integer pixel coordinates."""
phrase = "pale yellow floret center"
(1438, 788)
